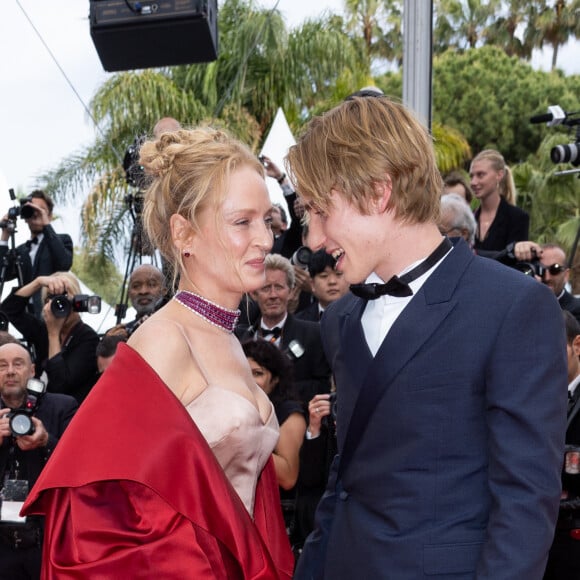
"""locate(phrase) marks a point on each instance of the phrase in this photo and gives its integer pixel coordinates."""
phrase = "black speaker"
(131, 35)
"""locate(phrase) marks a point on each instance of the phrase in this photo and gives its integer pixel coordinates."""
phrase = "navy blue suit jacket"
(450, 440)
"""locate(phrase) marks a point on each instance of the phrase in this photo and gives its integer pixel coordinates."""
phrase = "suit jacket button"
(343, 495)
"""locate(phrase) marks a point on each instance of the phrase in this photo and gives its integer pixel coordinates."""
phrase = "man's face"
(273, 296)
(329, 286)
(37, 221)
(278, 225)
(447, 226)
(146, 287)
(551, 257)
(357, 241)
(15, 369)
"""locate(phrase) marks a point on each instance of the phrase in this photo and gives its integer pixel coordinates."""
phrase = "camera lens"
(26, 212)
(566, 154)
(60, 306)
(21, 424)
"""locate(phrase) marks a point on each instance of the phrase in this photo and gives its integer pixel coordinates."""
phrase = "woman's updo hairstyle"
(188, 170)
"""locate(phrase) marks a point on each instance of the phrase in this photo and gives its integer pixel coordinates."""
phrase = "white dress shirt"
(380, 314)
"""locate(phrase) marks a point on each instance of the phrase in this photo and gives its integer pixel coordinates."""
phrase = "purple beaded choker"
(215, 314)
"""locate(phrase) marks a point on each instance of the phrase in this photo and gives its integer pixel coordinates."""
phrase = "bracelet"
(281, 179)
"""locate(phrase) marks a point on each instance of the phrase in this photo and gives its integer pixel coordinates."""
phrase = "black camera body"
(20, 420)
(531, 268)
(61, 305)
(24, 211)
(301, 257)
(134, 172)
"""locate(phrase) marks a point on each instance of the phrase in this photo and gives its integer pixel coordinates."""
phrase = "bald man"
(22, 458)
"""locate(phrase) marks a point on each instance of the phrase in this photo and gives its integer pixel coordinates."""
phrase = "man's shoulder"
(570, 302)
(307, 325)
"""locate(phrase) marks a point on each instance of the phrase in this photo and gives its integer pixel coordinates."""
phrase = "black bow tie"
(400, 286)
(272, 333)
(34, 240)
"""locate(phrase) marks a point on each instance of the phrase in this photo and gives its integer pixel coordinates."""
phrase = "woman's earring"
(186, 254)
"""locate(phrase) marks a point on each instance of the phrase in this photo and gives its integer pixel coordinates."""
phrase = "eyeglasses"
(554, 269)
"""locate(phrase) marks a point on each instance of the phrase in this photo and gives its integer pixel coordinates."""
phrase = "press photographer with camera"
(64, 345)
(44, 253)
(22, 457)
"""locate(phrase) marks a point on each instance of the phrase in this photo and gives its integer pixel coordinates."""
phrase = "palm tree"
(554, 23)
(379, 24)
(502, 32)
(463, 24)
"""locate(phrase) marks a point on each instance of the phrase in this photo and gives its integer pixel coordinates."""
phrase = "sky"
(42, 113)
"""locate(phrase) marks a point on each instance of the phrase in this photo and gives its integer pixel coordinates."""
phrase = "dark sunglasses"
(554, 269)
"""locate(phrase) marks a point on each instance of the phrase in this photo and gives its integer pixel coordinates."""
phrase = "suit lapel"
(353, 348)
(416, 324)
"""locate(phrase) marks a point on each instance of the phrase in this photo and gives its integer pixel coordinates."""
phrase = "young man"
(327, 285)
(451, 392)
(45, 253)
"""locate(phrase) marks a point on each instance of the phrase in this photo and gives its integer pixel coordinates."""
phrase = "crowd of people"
(311, 395)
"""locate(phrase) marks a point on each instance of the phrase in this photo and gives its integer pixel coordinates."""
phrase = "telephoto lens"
(566, 154)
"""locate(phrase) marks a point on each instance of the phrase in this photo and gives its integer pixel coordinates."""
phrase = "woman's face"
(484, 178)
(263, 377)
(228, 253)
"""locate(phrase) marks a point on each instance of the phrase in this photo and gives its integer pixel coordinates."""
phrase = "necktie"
(400, 286)
(272, 334)
(34, 240)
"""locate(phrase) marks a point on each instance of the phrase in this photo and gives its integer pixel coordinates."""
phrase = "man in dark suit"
(564, 559)
(300, 339)
(44, 253)
(556, 275)
(450, 378)
(22, 458)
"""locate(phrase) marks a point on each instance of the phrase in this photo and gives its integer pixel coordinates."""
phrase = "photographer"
(64, 345)
(45, 252)
(22, 458)
(147, 292)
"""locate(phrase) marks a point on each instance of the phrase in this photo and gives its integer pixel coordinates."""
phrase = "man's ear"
(576, 345)
(383, 190)
(182, 233)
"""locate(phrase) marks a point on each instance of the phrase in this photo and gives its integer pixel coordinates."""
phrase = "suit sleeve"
(60, 248)
(526, 419)
(32, 329)
(521, 228)
(65, 412)
(312, 559)
(293, 237)
(74, 365)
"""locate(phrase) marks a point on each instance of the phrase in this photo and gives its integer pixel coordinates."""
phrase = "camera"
(569, 153)
(532, 268)
(26, 212)
(61, 305)
(301, 257)
(134, 172)
(23, 210)
(566, 154)
(20, 420)
(18, 210)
